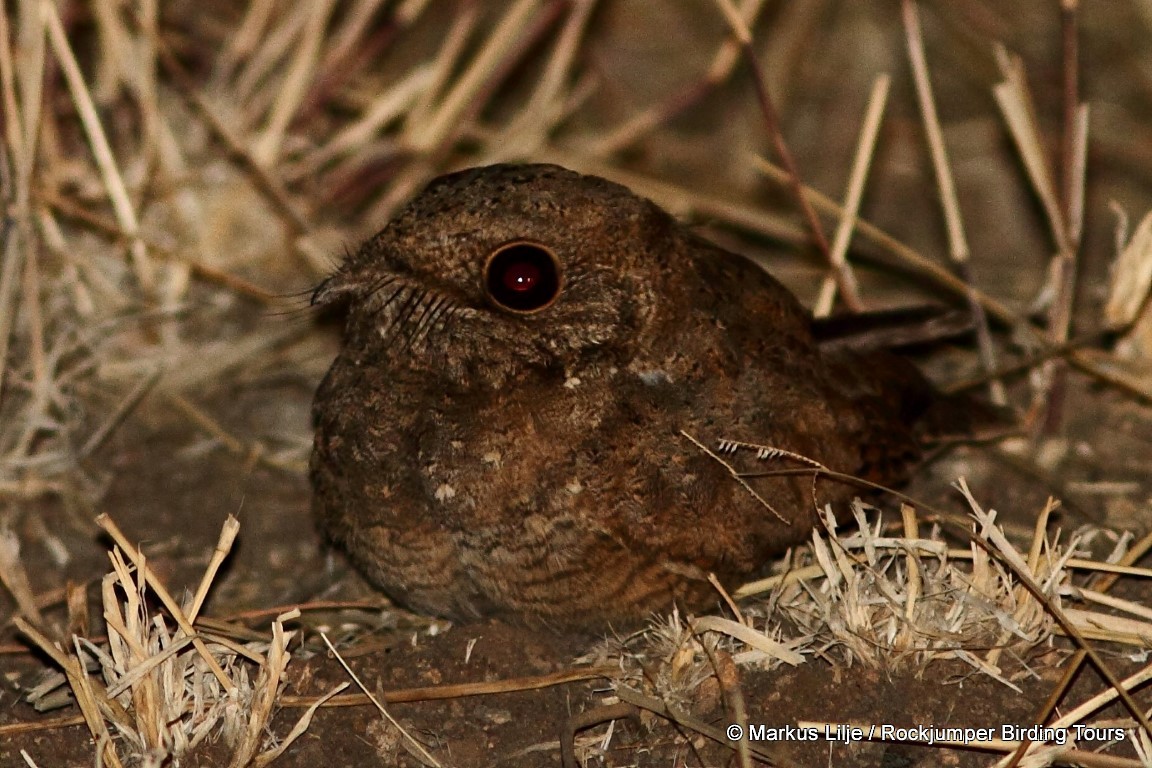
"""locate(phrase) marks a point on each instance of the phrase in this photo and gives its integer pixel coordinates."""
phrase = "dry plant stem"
(690, 723)
(315, 605)
(384, 108)
(224, 544)
(1020, 571)
(731, 695)
(529, 130)
(1053, 701)
(911, 561)
(1063, 305)
(101, 149)
(1015, 102)
(447, 59)
(727, 598)
(772, 120)
(442, 692)
(34, 317)
(1138, 550)
(1020, 593)
(865, 149)
(1102, 699)
(76, 604)
(1095, 364)
(686, 201)
(106, 523)
(949, 201)
(1091, 339)
(428, 157)
(264, 181)
(1073, 153)
(910, 257)
(264, 698)
(349, 32)
(266, 148)
(11, 730)
(468, 85)
(144, 664)
(108, 228)
(1073, 140)
(743, 631)
(945, 279)
(720, 69)
(352, 46)
(205, 422)
(586, 720)
(233, 646)
(380, 707)
(21, 130)
(82, 687)
(954, 223)
(11, 259)
(127, 642)
(249, 88)
(800, 574)
(12, 135)
(735, 475)
(30, 75)
(137, 59)
(247, 36)
(14, 577)
(120, 412)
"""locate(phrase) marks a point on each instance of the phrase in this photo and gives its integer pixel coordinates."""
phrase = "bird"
(542, 379)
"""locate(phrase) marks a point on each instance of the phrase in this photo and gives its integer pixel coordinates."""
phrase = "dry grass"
(899, 603)
(164, 687)
(171, 170)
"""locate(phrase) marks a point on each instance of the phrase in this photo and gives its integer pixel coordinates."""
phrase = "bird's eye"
(522, 277)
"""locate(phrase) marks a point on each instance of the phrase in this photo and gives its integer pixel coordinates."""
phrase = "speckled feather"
(475, 461)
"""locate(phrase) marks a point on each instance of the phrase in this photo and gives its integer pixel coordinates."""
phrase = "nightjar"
(537, 371)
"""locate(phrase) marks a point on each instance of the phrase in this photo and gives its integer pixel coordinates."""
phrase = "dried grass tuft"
(157, 688)
(895, 603)
(898, 603)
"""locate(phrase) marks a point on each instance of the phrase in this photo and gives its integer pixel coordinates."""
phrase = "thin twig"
(380, 707)
(101, 149)
(908, 256)
(865, 148)
(266, 148)
(120, 412)
(772, 120)
(949, 200)
(1076, 663)
(1074, 147)
(1020, 571)
(271, 187)
(684, 720)
(719, 70)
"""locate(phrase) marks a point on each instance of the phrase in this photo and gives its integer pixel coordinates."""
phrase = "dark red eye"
(522, 277)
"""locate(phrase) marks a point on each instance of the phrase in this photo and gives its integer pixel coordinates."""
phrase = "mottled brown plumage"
(486, 448)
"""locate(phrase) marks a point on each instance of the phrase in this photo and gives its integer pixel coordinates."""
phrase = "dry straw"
(162, 687)
(896, 603)
(123, 180)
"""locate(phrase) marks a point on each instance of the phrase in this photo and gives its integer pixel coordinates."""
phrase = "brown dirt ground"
(169, 483)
